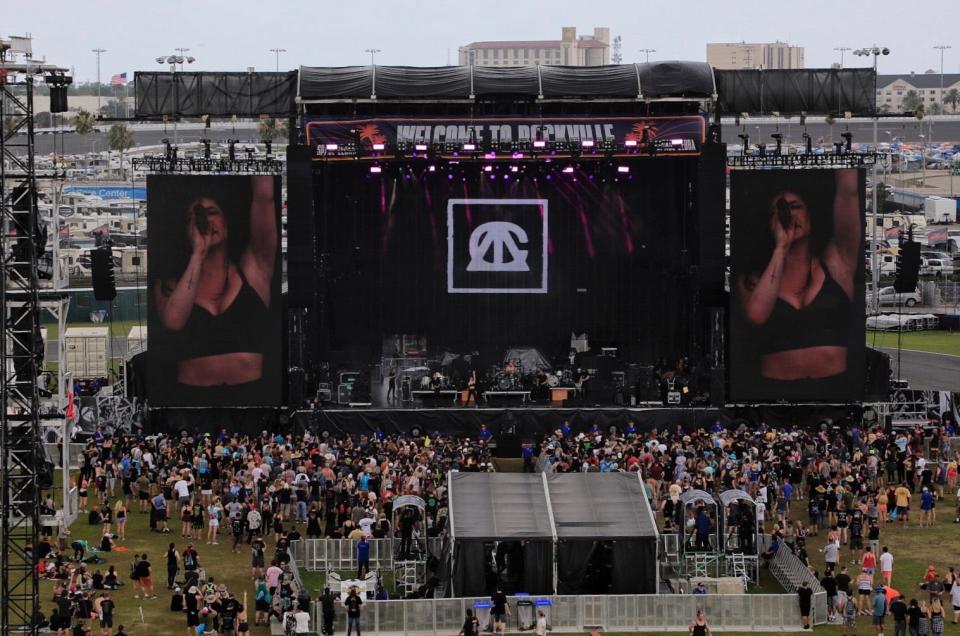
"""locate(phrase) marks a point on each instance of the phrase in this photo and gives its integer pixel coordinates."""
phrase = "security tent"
(606, 533)
(571, 533)
(499, 507)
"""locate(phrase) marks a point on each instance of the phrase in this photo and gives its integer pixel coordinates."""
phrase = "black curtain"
(618, 263)
(634, 566)
(573, 557)
(538, 567)
(469, 569)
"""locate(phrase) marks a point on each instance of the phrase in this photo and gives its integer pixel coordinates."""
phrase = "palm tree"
(911, 101)
(83, 124)
(270, 129)
(953, 98)
(121, 140)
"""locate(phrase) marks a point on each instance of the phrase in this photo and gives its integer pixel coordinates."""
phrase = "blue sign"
(109, 192)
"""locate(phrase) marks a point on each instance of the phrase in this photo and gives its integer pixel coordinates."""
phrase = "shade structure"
(596, 512)
(487, 507)
(560, 523)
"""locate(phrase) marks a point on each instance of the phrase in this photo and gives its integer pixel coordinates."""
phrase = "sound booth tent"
(561, 520)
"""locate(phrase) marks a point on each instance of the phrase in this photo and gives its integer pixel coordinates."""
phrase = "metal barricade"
(571, 614)
(325, 555)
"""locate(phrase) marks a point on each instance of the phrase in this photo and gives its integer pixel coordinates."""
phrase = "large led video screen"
(214, 290)
(796, 281)
(478, 258)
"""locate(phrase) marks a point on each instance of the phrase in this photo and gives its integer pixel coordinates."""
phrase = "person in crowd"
(879, 609)
(805, 598)
(327, 612)
(471, 626)
(354, 604)
(898, 610)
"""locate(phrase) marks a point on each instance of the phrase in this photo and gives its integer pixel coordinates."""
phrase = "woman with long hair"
(796, 285)
(217, 305)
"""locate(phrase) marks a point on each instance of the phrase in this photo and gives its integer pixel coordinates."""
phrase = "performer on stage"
(392, 385)
(436, 383)
(472, 389)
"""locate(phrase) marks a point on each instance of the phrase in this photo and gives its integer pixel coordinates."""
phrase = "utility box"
(87, 351)
(940, 210)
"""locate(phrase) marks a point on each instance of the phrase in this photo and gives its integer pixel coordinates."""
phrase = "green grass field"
(934, 341)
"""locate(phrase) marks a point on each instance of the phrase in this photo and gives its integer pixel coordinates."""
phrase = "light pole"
(277, 52)
(842, 49)
(941, 48)
(648, 52)
(876, 52)
(373, 53)
(173, 60)
(98, 51)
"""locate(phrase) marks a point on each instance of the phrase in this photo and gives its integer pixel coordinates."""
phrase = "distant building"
(569, 50)
(744, 55)
(892, 89)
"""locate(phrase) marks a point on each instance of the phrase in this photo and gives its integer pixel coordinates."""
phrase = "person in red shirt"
(869, 561)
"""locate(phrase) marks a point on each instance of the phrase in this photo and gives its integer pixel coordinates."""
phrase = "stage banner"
(685, 131)
(214, 306)
(797, 294)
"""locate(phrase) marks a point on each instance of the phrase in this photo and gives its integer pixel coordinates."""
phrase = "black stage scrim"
(474, 259)
(214, 290)
(797, 302)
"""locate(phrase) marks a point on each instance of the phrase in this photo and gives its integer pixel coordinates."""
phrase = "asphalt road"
(906, 131)
(933, 371)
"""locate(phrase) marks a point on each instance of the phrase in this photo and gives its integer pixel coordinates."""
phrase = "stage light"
(490, 155)
(623, 168)
(420, 147)
(450, 177)
(539, 143)
(331, 146)
(506, 176)
(676, 142)
(469, 146)
(587, 143)
(379, 146)
(518, 155)
(630, 143)
(376, 169)
(514, 168)
(568, 169)
(432, 168)
(488, 168)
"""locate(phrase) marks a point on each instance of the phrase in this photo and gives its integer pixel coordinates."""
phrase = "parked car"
(936, 266)
(889, 297)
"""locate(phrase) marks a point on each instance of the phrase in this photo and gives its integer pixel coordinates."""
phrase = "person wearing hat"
(879, 609)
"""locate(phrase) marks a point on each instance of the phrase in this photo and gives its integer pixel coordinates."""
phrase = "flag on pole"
(120, 79)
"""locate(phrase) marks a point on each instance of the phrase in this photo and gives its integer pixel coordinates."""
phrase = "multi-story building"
(569, 50)
(918, 89)
(744, 55)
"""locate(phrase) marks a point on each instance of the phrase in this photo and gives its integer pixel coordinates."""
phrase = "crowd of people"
(848, 482)
(256, 493)
(259, 493)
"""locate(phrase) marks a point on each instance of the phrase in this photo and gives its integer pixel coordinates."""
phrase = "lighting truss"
(835, 160)
(208, 165)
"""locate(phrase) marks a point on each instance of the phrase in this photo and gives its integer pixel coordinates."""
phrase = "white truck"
(940, 210)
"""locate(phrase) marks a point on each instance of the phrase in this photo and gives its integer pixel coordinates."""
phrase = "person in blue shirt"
(527, 454)
(485, 434)
(565, 429)
(879, 609)
(702, 525)
(159, 514)
(363, 557)
(631, 428)
(927, 504)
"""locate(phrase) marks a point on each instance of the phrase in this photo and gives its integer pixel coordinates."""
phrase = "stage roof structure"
(600, 506)
(498, 507)
(655, 80)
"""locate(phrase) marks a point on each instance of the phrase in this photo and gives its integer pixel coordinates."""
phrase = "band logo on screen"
(497, 246)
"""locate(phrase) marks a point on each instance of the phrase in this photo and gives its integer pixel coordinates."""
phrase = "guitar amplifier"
(324, 392)
(673, 397)
(344, 393)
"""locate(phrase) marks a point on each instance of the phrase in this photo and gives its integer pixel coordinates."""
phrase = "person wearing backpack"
(262, 601)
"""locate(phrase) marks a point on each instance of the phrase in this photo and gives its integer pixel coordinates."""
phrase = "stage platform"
(528, 422)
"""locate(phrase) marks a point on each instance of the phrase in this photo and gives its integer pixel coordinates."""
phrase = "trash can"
(481, 609)
(544, 605)
(526, 616)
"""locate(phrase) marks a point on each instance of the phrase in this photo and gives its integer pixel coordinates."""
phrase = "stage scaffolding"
(20, 306)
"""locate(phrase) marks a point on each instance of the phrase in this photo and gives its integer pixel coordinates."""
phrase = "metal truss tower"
(21, 455)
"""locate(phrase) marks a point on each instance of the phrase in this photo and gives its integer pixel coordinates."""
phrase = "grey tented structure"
(594, 511)
(561, 520)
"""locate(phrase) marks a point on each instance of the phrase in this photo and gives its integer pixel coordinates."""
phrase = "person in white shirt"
(303, 621)
(541, 624)
(761, 509)
(886, 565)
(955, 601)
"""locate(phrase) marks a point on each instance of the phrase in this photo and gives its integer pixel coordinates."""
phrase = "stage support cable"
(19, 307)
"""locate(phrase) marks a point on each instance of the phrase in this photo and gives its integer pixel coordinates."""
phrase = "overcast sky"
(236, 34)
